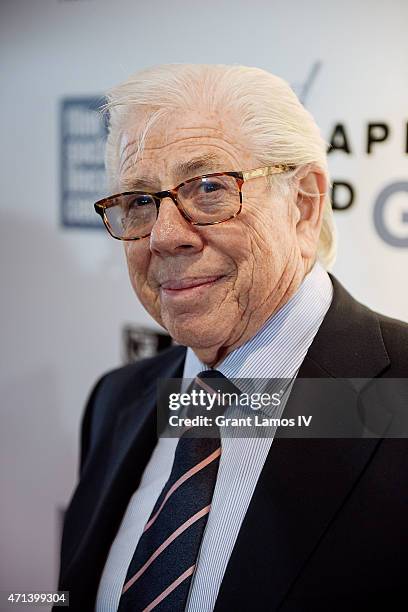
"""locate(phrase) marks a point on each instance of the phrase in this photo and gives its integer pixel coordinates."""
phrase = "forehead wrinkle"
(199, 163)
(207, 127)
(218, 130)
(175, 141)
(147, 147)
(236, 149)
(221, 164)
(123, 164)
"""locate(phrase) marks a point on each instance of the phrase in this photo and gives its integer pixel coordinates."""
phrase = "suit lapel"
(304, 482)
(133, 441)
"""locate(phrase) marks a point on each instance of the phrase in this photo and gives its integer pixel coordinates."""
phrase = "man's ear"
(310, 199)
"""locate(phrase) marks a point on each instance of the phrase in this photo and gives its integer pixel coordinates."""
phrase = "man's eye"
(142, 200)
(210, 186)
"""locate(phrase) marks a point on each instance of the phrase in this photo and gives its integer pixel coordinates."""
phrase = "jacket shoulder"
(115, 389)
(354, 341)
(118, 382)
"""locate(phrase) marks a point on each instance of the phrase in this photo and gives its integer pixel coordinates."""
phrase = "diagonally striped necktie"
(161, 569)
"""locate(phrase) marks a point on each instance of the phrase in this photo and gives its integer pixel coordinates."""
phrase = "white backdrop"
(65, 292)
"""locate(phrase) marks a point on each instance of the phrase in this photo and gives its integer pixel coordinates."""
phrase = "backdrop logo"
(140, 342)
(83, 137)
(390, 215)
(382, 216)
(390, 208)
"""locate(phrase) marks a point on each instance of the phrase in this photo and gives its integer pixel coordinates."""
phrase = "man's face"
(211, 287)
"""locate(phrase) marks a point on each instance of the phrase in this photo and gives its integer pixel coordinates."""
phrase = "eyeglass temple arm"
(267, 171)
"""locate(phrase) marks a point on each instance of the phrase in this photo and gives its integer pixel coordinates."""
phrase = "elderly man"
(221, 200)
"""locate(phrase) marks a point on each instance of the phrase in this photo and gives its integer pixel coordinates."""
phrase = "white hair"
(274, 123)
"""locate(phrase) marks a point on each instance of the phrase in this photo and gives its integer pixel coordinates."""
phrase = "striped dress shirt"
(276, 351)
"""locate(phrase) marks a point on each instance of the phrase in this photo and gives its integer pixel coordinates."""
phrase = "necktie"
(162, 566)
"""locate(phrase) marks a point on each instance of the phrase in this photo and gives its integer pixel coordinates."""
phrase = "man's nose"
(172, 233)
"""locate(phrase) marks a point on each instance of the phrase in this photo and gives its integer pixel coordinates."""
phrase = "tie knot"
(212, 391)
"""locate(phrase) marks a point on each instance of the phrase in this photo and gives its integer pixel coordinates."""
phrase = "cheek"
(271, 231)
(231, 243)
(266, 246)
(138, 258)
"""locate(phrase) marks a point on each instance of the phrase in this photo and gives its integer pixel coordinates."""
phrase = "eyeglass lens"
(204, 200)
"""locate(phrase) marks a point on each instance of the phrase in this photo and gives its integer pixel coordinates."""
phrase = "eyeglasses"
(203, 200)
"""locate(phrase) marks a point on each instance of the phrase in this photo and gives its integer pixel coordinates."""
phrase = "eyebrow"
(140, 184)
(183, 170)
(201, 164)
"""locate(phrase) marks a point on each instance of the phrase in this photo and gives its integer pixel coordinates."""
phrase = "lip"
(184, 284)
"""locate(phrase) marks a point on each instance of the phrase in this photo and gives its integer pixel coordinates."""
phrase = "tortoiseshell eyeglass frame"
(240, 178)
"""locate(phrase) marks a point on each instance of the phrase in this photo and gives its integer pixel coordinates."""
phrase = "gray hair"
(275, 124)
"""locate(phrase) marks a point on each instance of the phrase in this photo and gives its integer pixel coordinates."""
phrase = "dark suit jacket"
(326, 528)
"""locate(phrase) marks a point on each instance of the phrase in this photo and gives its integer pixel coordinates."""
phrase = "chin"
(196, 332)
